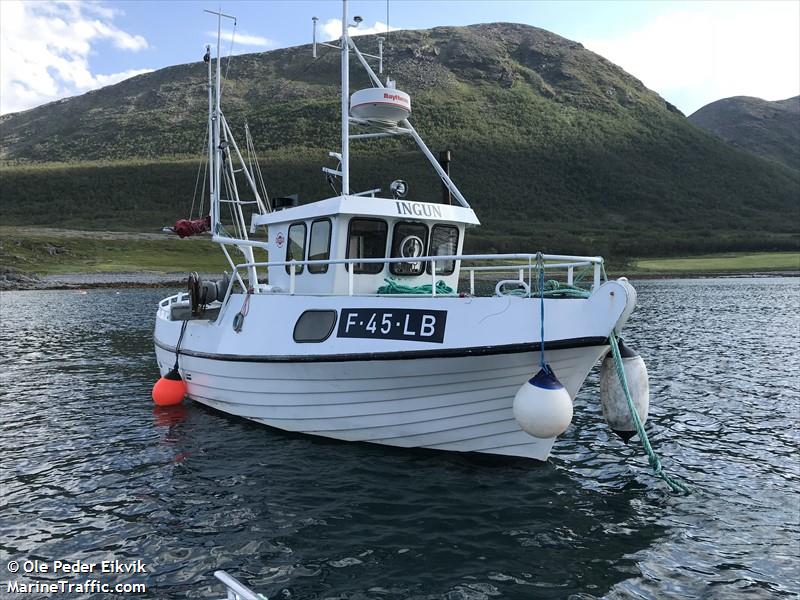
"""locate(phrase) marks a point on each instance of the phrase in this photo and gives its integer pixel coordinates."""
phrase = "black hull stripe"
(584, 342)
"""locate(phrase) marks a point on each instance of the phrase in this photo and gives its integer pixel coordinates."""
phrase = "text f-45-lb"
(393, 324)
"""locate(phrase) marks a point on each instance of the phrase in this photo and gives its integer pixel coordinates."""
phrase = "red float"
(169, 390)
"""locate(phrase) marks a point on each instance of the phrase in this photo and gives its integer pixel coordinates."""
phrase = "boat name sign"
(419, 209)
(393, 324)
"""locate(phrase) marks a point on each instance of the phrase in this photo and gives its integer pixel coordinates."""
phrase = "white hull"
(461, 404)
(456, 396)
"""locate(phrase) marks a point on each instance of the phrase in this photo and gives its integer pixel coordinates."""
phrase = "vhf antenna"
(356, 22)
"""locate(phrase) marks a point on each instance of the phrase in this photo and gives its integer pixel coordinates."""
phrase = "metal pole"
(345, 102)
(314, 37)
(247, 174)
(212, 186)
(444, 159)
(435, 164)
(217, 157)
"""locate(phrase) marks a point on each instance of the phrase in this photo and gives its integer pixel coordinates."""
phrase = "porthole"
(314, 326)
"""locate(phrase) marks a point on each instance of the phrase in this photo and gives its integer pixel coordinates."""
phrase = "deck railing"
(236, 590)
(525, 266)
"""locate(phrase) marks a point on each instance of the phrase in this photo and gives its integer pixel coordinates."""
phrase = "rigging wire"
(197, 180)
(203, 189)
(230, 196)
(253, 156)
(230, 55)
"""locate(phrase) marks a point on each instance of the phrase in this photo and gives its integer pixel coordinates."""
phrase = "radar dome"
(380, 104)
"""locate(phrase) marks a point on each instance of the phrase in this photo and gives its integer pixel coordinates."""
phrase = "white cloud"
(45, 48)
(706, 51)
(242, 39)
(104, 80)
(332, 29)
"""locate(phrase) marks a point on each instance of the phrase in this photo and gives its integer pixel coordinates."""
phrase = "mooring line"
(655, 462)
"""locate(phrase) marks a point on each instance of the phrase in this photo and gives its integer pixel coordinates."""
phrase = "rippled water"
(91, 471)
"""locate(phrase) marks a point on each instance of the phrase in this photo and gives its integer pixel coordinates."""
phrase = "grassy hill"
(555, 147)
(769, 129)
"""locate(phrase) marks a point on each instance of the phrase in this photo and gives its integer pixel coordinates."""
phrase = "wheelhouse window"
(367, 239)
(296, 248)
(444, 242)
(409, 240)
(319, 244)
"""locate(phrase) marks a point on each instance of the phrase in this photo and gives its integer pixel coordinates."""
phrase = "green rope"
(655, 462)
(556, 289)
(393, 287)
(552, 289)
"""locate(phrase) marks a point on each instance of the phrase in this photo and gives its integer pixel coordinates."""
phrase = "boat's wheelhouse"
(357, 227)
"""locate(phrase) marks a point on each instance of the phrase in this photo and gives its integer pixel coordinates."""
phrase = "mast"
(217, 120)
(211, 173)
(215, 128)
(345, 101)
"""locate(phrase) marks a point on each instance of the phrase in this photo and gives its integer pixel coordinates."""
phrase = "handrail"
(236, 589)
(515, 267)
(573, 261)
(569, 263)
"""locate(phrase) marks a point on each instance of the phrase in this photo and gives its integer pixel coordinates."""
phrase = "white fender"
(542, 406)
(612, 396)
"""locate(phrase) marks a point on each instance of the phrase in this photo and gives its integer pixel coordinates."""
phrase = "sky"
(691, 53)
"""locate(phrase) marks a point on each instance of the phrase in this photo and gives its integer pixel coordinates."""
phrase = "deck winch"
(204, 292)
(612, 395)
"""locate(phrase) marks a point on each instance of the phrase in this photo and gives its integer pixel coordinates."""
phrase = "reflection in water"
(93, 471)
(168, 416)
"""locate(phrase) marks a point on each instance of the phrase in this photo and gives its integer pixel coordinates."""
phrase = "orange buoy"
(170, 389)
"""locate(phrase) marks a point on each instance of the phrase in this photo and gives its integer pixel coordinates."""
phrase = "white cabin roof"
(368, 206)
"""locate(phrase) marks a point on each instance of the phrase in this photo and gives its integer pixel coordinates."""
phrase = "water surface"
(91, 471)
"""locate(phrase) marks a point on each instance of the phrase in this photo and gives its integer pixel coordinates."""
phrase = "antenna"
(315, 43)
(314, 37)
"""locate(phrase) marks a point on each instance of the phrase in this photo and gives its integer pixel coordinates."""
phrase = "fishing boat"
(367, 322)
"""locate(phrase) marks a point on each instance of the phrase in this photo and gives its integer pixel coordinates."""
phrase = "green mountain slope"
(769, 129)
(555, 147)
